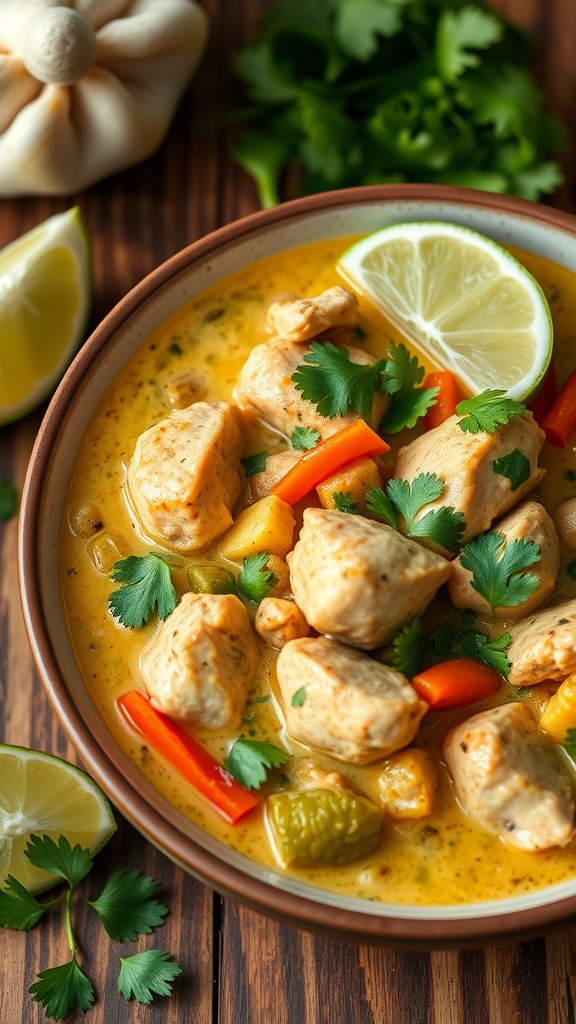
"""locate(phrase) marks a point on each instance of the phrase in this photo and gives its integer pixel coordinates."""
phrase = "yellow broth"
(441, 859)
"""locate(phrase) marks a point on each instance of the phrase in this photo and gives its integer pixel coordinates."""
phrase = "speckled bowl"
(511, 221)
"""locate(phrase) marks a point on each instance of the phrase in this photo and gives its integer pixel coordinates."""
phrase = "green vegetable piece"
(487, 411)
(211, 579)
(514, 466)
(8, 500)
(322, 826)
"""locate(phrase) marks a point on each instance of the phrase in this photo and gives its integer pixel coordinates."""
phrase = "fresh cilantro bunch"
(356, 92)
(127, 907)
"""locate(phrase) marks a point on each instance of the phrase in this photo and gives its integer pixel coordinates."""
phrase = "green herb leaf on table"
(127, 907)
(255, 581)
(344, 502)
(8, 500)
(329, 379)
(19, 909)
(569, 743)
(409, 647)
(444, 525)
(70, 863)
(304, 438)
(496, 564)
(298, 697)
(249, 760)
(146, 974)
(487, 411)
(147, 586)
(254, 463)
(514, 466)
(63, 990)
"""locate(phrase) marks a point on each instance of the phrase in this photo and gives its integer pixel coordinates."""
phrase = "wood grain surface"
(239, 967)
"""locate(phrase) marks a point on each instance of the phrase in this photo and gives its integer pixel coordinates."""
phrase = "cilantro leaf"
(8, 500)
(400, 377)
(448, 642)
(496, 564)
(255, 581)
(487, 411)
(249, 759)
(379, 504)
(71, 863)
(407, 409)
(358, 25)
(63, 990)
(254, 463)
(148, 586)
(298, 697)
(409, 648)
(19, 909)
(514, 466)
(569, 743)
(458, 33)
(147, 974)
(344, 502)
(304, 438)
(401, 371)
(408, 498)
(444, 526)
(126, 906)
(334, 383)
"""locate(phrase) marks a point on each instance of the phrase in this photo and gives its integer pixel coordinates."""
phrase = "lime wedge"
(44, 303)
(43, 795)
(465, 302)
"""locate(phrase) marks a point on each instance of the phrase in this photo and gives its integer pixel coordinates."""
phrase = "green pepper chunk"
(211, 579)
(323, 826)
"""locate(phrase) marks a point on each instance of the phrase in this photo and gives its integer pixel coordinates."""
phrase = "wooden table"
(239, 967)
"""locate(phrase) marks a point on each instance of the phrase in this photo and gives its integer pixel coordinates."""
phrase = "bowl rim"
(289, 908)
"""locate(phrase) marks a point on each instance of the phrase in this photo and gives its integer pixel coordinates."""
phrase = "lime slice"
(44, 304)
(463, 300)
(43, 795)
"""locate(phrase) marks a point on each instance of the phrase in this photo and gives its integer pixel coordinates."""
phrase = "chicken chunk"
(465, 463)
(544, 645)
(302, 319)
(201, 663)
(264, 389)
(509, 777)
(185, 476)
(278, 621)
(354, 708)
(528, 521)
(360, 581)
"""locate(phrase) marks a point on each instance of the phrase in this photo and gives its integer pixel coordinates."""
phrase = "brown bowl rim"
(289, 908)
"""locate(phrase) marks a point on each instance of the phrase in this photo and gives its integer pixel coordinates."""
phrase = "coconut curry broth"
(440, 859)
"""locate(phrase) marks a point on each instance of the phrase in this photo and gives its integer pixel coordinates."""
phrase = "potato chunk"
(408, 784)
(353, 481)
(268, 525)
(559, 714)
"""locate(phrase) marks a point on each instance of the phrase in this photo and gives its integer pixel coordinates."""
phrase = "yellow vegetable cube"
(268, 525)
(352, 481)
(408, 784)
(559, 715)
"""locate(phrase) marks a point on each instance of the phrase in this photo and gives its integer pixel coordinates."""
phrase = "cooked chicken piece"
(565, 523)
(278, 621)
(279, 569)
(544, 645)
(264, 388)
(464, 462)
(185, 476)
(310, 775)
(360, 581)
(528, 521)
(352, 481)
(353, 708)
(408, 784)
(201, 663)
(509, 776)
(302, 319)
(277, 465)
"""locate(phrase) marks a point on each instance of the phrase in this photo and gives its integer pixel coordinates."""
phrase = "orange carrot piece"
(545, 396)
(560, 421)
(446, 399)
(186, 755)
(344, 446)
(451, 684)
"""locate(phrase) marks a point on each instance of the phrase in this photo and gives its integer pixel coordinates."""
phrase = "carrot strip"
(344, 446)
(451, 684)
(545, 396)
(186, 755)
(560, 421)
(446, 399)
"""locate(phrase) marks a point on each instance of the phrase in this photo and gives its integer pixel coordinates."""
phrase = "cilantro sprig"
(409, 648)
(497, 564)
(255, 463)
(569, 743)
(449, 642)
(344, 502)
(256, 581)
(444, 526)
(401, 377)
(147, 586)
(250, 760)
(127, 907)
(304, 438)
(487, 411)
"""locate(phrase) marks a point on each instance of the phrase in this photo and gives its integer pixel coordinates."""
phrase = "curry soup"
(443, 858)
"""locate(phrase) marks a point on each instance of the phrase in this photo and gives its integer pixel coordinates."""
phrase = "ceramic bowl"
(542, 230)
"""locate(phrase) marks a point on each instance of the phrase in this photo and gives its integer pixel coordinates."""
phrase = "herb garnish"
(255, 581)
(487, 411)
(409, 647)
(449, 642)
(569, 743)
(444, 526)
(126, 907)
(344, 502)
(496, 564)
(515, 466)
(148, 585)
(254, 463)
(401, 376)
(298, 697)
(249, 760)
(8, 500)
(304, 438)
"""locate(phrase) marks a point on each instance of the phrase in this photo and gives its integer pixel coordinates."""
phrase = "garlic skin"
(89, 87)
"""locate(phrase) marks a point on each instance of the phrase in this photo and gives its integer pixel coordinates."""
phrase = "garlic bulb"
(88, 87)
